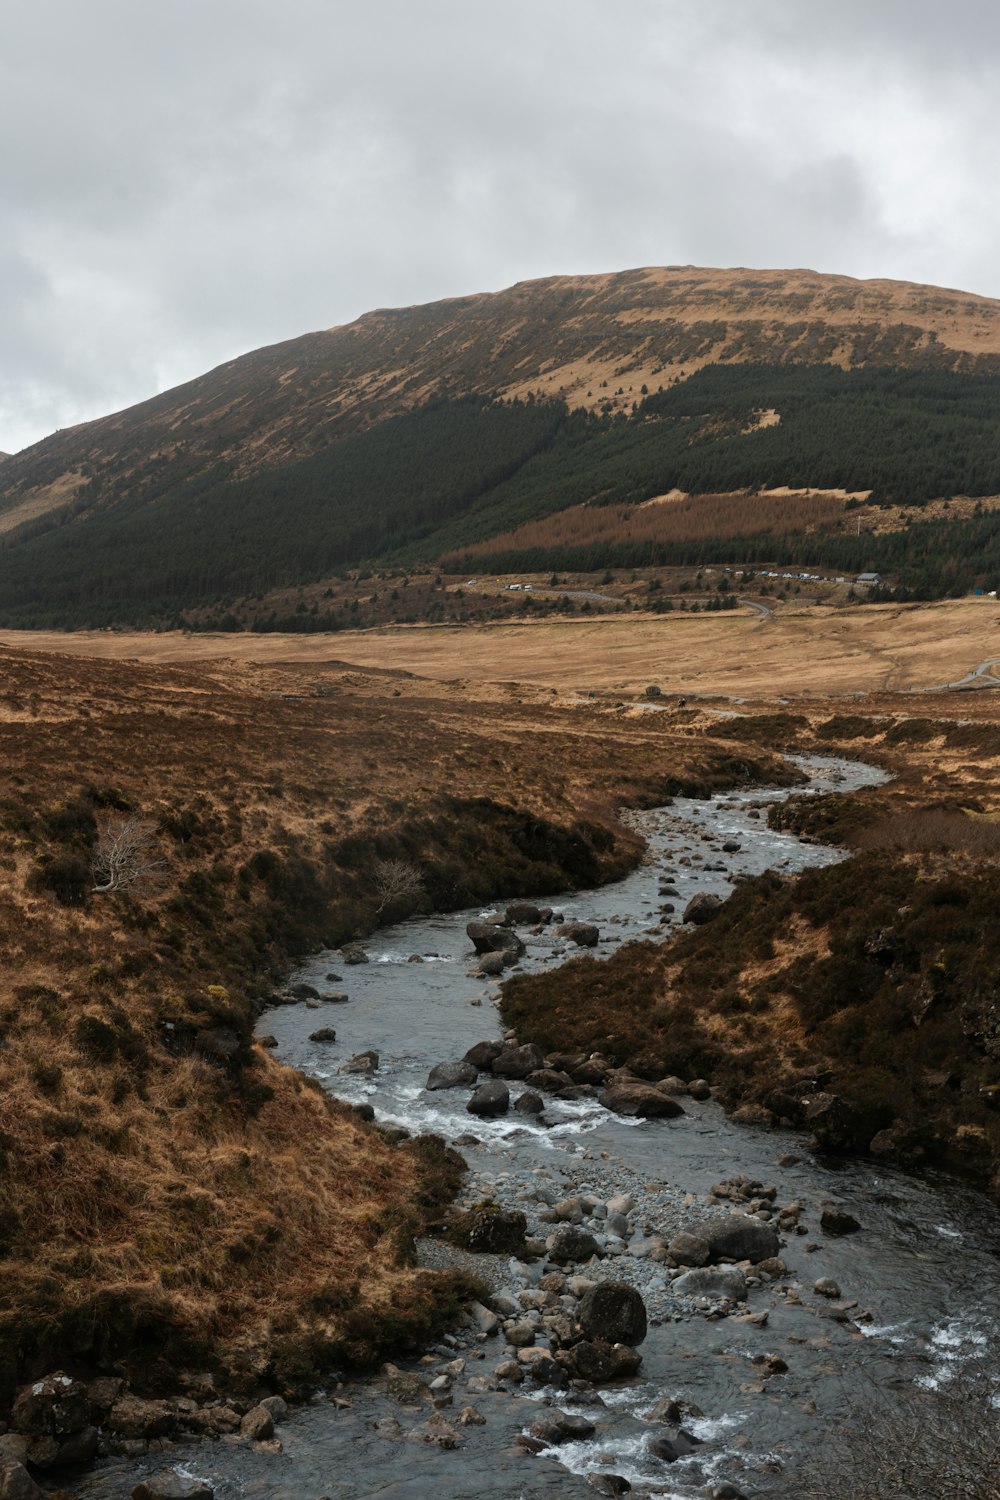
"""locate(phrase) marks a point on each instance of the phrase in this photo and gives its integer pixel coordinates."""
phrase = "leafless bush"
(396, 882)
(124, 855)
(916, 1444)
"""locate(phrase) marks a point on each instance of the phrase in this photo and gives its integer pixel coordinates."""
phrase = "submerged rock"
(727, 1282)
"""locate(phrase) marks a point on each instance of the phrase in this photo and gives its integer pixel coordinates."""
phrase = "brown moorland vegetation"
(686, 519)
(876, 980)
(171, 1198)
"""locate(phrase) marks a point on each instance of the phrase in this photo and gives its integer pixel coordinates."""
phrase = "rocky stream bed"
(681, 1305)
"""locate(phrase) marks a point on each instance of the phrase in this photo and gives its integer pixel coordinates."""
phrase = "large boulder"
(492, 965)
(17, 1484)
(583, 934)
(52, 1407)
(639, 1099)
(613, 1311)
(569, 1245)
(726, 1282)
(689, 1249)
(740, 1238)
(837, 1125)
(362, 1062)
(599, 1362)
(490, 1099)
(132, 1417)
(487, 937)
(518, 1062)
(56, 1452)
(555, 1426)
(594, 1069)
(482, 1054)
(702, 908)
(673, 1443)
(451, 1075)
(488, 1228)
(836, 1220)
(526, 914)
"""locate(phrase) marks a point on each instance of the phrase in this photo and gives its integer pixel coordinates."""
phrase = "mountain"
(418, 432)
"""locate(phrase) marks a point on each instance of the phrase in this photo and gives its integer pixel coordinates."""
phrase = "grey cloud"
(181, 183)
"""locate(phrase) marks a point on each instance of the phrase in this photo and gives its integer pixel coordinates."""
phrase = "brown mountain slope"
(589, 339)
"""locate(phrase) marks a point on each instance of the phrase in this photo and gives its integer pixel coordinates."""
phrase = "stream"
(919, 1282)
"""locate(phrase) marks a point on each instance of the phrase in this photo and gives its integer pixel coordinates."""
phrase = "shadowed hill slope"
(386, 438)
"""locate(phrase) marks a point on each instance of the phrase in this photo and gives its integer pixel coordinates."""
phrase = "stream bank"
(917, 1281)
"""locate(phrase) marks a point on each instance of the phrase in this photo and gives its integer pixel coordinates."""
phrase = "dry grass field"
(808, 651)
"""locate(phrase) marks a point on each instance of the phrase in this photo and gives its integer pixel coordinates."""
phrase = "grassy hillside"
(433, 431)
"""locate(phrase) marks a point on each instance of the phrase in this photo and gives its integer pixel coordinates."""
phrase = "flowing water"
(920, 1281)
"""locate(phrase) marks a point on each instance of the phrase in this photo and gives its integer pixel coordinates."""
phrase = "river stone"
(728, 1282)
(699, 1088)
(639, 1099)
(52, 1407)
(324, 1034)
(826, 1287)
(609, 1484)
(56, 1452)
(362, 1062)
(518, 1062)
(529, 1103)
(526, 914)
(568, 1245)
(451, 1075)
(583, 934)
(258, 1424)
(702, 908)
(673, 1443)
(834, 1122)
(594, 1070)
(17, 1484)
(549, 1079)
(740, 1238)
(556, 1426)
(493, 964)
(132, 1417)
(490, 1099)
(353, 953)
(483, 1053)
(173, 1486)
(487, 937)
(834, 1220)
(689, 1249)
(597, 1361)
(613, 1311)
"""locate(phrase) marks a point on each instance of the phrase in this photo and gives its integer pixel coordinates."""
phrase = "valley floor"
(797, 650)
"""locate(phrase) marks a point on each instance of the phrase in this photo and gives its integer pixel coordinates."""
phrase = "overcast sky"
(184, 180)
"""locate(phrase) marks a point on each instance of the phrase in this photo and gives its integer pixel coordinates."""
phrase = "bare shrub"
(397, 881)
(124, 855)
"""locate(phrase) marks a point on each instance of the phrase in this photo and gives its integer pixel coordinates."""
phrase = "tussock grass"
(170, 1197)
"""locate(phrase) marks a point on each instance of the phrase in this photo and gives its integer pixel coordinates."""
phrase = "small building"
(869, 580)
